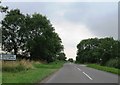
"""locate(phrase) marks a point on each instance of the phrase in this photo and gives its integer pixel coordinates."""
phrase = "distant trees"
(70, 60)
(99, 51)
(61, 56)
(31, 36)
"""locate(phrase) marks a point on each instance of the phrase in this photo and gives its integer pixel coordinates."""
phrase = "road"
(74, 73)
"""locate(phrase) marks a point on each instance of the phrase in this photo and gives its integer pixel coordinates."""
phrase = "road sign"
(7, 57)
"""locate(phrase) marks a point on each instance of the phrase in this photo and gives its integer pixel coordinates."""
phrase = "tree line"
(103, 51)
(31, 36)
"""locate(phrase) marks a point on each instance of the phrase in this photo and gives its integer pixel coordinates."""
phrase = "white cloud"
(71, 34)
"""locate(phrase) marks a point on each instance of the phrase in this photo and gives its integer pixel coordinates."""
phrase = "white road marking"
(79, 69)
(84, 73)
(87, 76)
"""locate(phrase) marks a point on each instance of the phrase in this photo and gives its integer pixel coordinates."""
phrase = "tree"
(96, 50)
(43, 43)
(106, 46)
(70, 60)
(87, 51)
(30, 36)
(3, 9)
(61, 56)
(12, 37)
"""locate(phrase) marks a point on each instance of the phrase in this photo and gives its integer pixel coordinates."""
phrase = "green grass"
(30, 76)
(37, 74)
(53, 65)
(104, 68)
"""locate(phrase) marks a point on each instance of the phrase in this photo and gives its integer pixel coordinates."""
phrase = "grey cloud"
(107, 26)
(101, 18)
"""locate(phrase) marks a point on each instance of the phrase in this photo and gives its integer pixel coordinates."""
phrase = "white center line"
(79, 69)
(87, 76)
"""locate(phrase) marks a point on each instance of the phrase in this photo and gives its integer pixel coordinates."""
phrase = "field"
(28, 72)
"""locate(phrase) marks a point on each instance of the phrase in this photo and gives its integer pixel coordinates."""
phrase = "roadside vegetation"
(102, 54)
(31, 37)
(38, 48)
(28, 72)
(105, 68)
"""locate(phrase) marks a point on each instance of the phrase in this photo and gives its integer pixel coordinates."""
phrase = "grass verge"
(38, 73)
(104, 68)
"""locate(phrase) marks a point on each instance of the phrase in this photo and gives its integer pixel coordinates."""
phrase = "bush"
(53, 65)
(113, 63)
(16, 66)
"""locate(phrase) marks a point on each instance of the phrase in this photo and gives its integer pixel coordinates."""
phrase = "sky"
(75, 21)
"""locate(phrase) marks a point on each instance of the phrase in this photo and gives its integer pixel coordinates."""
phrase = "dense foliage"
(101, 51)
(70, 60)
(30, 36)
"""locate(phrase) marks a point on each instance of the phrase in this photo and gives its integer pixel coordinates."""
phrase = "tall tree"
(30, 36)
(43, 42)
(97, 50)
(11, 27)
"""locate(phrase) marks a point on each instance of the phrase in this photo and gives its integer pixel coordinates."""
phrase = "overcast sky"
(75, 21)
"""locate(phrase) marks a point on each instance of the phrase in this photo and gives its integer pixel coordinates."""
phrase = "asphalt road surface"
(73, 73)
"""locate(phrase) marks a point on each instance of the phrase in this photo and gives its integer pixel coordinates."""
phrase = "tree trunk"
(15, 50)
